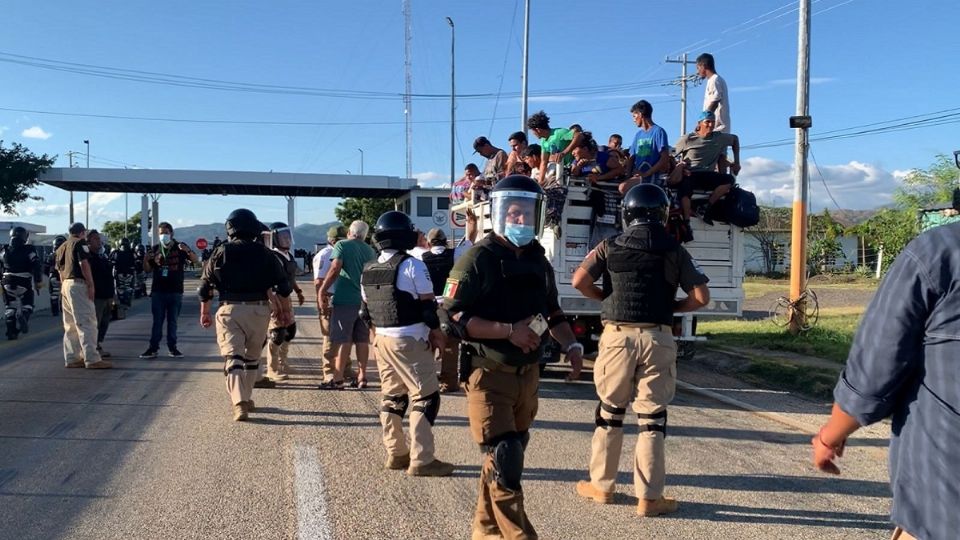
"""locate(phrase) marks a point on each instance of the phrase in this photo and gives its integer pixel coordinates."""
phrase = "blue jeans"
(165, 305)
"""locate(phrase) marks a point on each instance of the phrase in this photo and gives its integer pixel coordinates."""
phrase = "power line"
(824, 180)
(503, 69)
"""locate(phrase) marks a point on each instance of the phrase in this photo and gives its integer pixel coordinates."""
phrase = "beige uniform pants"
(79, 323)
(406, 368)
(448, 363)
(635, 363)
(277, 354)
(241, 331)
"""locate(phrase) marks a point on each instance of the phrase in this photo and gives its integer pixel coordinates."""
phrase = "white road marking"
(313, 523)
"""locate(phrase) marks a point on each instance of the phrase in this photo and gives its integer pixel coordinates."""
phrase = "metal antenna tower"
(408, 90)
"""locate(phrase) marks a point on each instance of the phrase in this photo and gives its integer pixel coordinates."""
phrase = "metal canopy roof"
(226, 182)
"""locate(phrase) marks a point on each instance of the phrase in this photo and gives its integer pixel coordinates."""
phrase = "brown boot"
(434, 468)
(656, 507)
(587, 490)
(480, 535)
(103, 364)
(240, 412)
(397, 463)
(75, 364)
(248, 406)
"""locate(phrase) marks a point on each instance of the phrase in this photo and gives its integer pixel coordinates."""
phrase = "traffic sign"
(201, 243)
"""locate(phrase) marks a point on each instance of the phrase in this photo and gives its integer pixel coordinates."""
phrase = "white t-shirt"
(717, 91)
(417, 252)
(414, 278)
(321, 265)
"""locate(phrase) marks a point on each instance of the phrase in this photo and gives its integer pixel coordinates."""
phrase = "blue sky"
(871, 61)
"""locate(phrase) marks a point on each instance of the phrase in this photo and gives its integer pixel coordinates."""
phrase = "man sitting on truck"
(697, 156)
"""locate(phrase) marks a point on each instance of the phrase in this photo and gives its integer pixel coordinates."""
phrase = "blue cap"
(706, 115)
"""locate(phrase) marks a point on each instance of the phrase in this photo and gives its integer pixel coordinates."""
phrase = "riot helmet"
(517, 209)
(139, 251)
(243, 224)
(282, 235)
(124, 244)
(58, 241)
(394, 230)
(18, 236)
(645, 204)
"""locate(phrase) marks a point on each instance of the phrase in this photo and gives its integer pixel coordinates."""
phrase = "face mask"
(165, 238)
(519, 235)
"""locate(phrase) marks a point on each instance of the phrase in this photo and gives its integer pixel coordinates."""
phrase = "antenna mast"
(407, 100)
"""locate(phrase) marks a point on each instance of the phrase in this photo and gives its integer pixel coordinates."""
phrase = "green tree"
(365, 209)
(115, 230)
(772, 234)
(890, 229)
(924, 188)
(19, 169)
(823, 241)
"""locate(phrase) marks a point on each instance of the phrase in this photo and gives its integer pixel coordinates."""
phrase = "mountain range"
(305, 236)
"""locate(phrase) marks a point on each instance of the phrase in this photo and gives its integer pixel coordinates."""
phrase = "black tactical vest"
(389, 306)
(289, 264)
(19, 260)
(439, 267)
(637, 286)
(242, 271)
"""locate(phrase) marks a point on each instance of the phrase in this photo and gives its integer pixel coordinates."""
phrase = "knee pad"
(10, 314)
(651, 422)
(291, 332)
(237, 363)
(429, 406)
(394, 405)
(276, 335)
(608, 416)
(508, 461)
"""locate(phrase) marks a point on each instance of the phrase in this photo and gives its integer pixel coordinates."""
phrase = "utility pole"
(526, 63)
(407, 84)
(87, 222)
(682, 81)
(801, 181)
(453, 101)
(361, 161)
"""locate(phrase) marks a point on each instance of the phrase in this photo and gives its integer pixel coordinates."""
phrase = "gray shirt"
(702, 153)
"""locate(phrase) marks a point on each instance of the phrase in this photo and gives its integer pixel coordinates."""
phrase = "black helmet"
(18, 236)
(243, 224)
(124, 244)
(645, 204)
(282, 235)
(517, 209)
(58, 241)
(394, 230)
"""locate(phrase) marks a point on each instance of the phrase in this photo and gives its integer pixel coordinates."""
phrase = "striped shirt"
(905, 364)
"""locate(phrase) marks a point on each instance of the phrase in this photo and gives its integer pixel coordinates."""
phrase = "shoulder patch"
(86, 248)
(450, 289)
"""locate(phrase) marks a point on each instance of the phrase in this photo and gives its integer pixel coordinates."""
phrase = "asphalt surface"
(149, 450)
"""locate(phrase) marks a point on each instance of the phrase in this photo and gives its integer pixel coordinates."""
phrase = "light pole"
(87, 142)
(361, 161)
(453, 100)
(526, 65)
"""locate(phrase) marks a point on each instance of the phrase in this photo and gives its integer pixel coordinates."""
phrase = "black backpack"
(738, 207)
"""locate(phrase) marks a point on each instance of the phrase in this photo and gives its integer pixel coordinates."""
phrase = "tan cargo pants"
(448, 363)
(500, 402)
(79, 323)
(241, 331)
(277, 354)
(635, 363)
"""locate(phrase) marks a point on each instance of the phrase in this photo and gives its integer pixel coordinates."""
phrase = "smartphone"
(538, 324)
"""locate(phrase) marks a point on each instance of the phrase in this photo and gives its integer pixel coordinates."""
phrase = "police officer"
(21, 276)
(245, 273)
(642, 269)
(50, 270)
(281, 239)
(140, 289)
(124, 267)
(500, 299)
(439, 260)
(399, 303)
(79, 317)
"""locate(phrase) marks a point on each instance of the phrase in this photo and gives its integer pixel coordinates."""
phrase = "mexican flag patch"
(450, 289)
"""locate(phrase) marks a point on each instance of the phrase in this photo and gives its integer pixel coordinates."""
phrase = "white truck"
(718, 249)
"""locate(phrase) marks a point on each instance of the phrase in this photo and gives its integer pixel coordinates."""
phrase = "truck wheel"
(686, 350)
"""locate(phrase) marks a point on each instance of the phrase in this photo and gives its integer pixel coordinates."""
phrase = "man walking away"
(321, 265)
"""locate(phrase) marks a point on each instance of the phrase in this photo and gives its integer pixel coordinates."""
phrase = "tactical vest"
(241, 271)
(19, 260)
(638, 286)
(439, 267)
(289, 264)
(387, 305)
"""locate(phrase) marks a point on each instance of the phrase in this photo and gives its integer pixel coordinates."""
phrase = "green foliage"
(925, 188)
(115, 230)
(365, 209)
(890, 228)
(824, 248)
(19, 169)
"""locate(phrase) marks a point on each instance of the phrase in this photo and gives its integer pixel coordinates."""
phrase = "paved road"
(148, 450)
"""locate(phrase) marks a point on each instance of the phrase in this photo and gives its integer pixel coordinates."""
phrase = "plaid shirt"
(905, 364)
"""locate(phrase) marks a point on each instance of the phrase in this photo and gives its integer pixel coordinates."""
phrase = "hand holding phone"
(539, 325)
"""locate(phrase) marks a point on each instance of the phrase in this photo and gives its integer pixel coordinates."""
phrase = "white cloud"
(2, 129)
(854, 185)
(45, 210)
(103, 199)
(550, 99)
(36, 132)
(425, 178)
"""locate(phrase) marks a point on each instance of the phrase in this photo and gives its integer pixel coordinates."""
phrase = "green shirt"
(354, 254)
(559, 139)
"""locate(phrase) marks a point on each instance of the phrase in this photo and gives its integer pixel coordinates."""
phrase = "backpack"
(738, 208)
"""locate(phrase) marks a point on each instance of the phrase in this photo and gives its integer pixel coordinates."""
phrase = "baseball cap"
(479, 143)
(337, 233)
(706, 115)
(436, 235)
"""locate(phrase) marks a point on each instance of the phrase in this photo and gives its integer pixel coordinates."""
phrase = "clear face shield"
(283, 238)
(266, 238)
(517, 216)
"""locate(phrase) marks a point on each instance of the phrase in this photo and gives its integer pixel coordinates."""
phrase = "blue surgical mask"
(165, 238)
(519, 235)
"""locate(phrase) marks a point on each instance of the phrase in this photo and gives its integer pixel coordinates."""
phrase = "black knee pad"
(291, 332)
(394, 404)
(616, 412)
(276, 335)
(429, 406)
(650, 422)
(507, 456)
